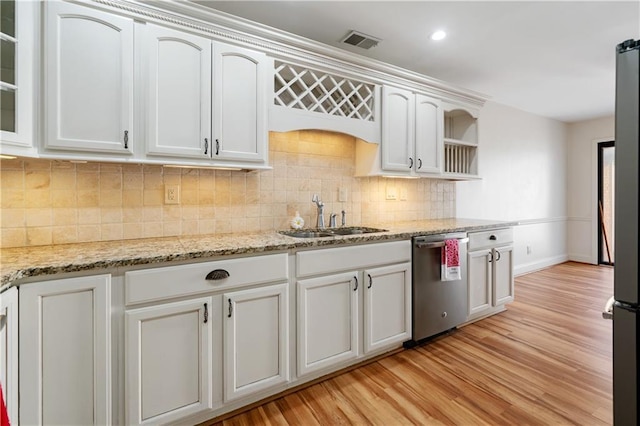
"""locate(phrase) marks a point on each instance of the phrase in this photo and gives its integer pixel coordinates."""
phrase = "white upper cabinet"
(429, 145)
(412, 137)
(460, 142)
(89, 79)
(178, 92)
(398, 132)
(241, 85)
(17, 38)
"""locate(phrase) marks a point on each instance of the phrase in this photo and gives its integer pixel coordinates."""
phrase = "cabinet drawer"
(493, 238)
(325, 261)
(183, 280)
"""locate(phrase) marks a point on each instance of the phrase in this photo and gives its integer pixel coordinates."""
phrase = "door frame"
(600, 147)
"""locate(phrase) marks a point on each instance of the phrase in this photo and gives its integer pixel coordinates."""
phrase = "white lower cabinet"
(65, 351)
(186, 359)
(350, 314)
(9, 351)
(256, 340)
(387, 306)
(327, 321)
(490, 266)
(169, 355)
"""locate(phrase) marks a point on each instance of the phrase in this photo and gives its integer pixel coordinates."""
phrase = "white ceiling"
(555, 59)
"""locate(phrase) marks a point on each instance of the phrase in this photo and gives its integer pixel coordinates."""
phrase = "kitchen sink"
(330, 232)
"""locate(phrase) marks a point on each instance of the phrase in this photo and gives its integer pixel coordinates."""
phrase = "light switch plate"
(172, 194)
(403, 194)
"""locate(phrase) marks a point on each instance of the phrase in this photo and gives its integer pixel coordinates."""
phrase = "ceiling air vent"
(364, 41)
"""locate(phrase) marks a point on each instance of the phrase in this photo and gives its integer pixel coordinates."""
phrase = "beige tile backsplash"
(54, 202)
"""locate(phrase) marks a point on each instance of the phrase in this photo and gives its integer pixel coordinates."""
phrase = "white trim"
(580, 219)
(540, 264)
(281, 44)
(581, 258)
(542, 220)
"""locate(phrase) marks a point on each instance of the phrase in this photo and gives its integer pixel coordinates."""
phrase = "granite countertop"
(17, 263)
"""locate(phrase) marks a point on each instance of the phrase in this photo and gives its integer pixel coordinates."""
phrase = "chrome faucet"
(332, 220)
(320, 204)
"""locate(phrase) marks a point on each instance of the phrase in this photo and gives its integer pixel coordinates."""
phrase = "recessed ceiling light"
(438, 35)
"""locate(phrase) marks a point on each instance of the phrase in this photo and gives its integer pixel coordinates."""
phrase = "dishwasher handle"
(437, 244)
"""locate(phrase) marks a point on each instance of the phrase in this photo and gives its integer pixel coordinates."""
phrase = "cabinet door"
(89, 79)
(429, 142)
(327, 321)
(256, 340)
(240, 104)
(503, 287)
(9, 351)
(179, 92)
(480, 278)
(65, 347)
(168, 361)
(398, 131)
(387, 306)
(17, 88)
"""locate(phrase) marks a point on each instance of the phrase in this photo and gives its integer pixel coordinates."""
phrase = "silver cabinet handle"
(497, 258)
(206, 146)
(126, 139)
(217, 147)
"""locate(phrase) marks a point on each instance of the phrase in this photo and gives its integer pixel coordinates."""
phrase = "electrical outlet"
(172, 194)
(342, 195)
(391, 193)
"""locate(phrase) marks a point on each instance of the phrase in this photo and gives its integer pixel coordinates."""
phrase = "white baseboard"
(582, 258)
(539, 264)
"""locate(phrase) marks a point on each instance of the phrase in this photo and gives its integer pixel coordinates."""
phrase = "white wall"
(523, 163)
(582, 169)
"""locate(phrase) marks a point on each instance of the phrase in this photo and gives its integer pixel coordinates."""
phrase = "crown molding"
(286, 46)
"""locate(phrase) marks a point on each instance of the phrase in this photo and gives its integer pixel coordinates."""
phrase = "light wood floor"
(546, 360)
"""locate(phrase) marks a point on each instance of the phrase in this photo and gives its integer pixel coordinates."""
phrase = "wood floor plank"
(546, 360)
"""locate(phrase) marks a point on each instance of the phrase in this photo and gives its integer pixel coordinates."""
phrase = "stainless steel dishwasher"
(438, 305)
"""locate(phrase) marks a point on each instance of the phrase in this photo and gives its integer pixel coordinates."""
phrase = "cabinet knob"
(217, 274)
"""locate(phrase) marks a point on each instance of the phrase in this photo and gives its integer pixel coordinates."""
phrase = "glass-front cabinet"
(17, 55)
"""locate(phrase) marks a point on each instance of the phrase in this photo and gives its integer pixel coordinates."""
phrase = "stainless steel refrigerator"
(627, 244)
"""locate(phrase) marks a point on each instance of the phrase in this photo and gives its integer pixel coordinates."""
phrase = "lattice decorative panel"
(460, 159)
(302, 88)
